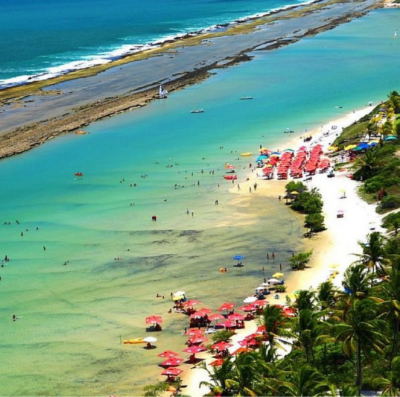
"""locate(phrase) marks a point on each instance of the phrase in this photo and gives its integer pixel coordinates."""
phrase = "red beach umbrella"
(154, 320)
(194, 332)
(168, 353)
(221, 345)
(218, 362)
(216, 316)
(235, 317)
(261, 302)
(226, 306)
(248, 308)
(191, 302)
(241, 350)
(205, 310)
(172, 362)
(194, 349)
(172, 371)
(227, 324)
(197, 340)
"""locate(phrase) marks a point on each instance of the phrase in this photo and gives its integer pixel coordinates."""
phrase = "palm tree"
(326, 295)
(390, 288)
(304, 299)
(244, 374)
(390, 385)
(306, 381)
(360, 331)
(373, 253)
(368, 163)
(356, 282)
(306, 329)
(219, 377)
(276, 326)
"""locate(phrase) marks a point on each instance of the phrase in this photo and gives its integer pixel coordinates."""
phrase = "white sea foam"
(129, 49)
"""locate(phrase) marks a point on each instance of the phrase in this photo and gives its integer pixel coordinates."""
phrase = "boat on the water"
(78, 174)
(81, 132)
(246, 154)
(197, 111)
(245, 98)
(288, 131)
(162, 92)
(230, 177)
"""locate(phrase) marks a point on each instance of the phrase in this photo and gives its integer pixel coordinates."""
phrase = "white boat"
(244, 98)
(197, 111)
(395, 34)
(162, 92)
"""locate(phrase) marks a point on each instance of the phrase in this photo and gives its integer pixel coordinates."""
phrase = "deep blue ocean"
(48, 37)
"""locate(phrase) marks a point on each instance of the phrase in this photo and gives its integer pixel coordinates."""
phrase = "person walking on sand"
(280, 266)
(267, 256)
(273, 255)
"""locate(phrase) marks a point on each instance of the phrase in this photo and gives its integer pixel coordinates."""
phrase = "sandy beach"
(335, 246)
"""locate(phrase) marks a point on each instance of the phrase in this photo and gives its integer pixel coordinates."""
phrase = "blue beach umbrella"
(238, 257)
(261, 158)
(391, 138)
(372, 144)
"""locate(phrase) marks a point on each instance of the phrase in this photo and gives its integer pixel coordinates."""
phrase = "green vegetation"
(339, 342)
(222, 335)
(309, 203)
(379, 166)
(300, 260)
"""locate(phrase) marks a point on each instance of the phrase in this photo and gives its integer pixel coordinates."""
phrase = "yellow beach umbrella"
(277, 275)
(349, 147)
(294, 192)
(332, 148)
(334, 266)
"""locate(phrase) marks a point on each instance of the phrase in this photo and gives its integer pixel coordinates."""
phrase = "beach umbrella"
(179, 293)
(294, 192)
(334, 266)
(278, 275)
(350, 147)
(372, 144)
(197, 339)
(227, 324)
(390, 138)
(198, 314)
(250, 299)
(178, 297)
(217, 362)
(205, 310)
(194, 349)
(274, 281)
(194, 332)
(260, 302)
(247, 342)
(226, 306)
(149, 340)
(238, 257)
(235, 317)
(221, 345)
(191, 302)
(288, 311)
(168, 353)
(154, 320)
(172, 362)
(248, 308)
(216, 316)
(332, 148)
(172, 371)
(241, 350)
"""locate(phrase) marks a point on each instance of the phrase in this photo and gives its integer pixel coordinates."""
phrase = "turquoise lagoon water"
(73, 316)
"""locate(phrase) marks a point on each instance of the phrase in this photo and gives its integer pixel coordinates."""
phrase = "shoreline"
(31, 116)
(334, 246)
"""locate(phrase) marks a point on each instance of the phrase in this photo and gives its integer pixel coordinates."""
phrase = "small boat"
(245, 98)
(230, 177)
(133, 341)
(246, 154)
(395, 34)
(197, 111)
(78, 174)
(162, 92)
(288, 131)
(81, 132)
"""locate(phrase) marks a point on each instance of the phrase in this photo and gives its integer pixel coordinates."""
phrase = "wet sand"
(33, 114)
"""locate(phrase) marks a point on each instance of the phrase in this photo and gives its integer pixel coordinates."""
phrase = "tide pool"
(105, 260)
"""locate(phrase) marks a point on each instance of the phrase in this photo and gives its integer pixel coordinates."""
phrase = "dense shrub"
(389, 203)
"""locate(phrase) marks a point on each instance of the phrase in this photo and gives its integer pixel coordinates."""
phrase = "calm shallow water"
(73, 317)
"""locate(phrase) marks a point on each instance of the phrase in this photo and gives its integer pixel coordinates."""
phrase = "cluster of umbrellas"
(364, 145)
